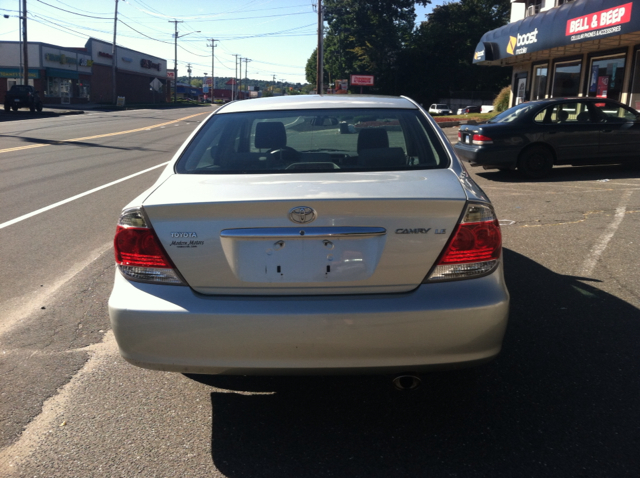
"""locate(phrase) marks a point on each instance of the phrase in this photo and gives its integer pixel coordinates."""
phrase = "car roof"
(303, 102)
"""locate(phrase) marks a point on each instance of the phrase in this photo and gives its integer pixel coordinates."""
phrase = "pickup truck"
(22, 96)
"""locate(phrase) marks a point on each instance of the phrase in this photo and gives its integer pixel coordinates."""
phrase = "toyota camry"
(310, 234)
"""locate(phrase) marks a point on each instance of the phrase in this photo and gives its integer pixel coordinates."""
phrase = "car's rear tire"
(535, 162)
(7, 108)
(14, 108)
(39, 108)
(32, 109)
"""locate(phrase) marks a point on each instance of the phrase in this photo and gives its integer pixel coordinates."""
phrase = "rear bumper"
(487, 156)
(437, 325)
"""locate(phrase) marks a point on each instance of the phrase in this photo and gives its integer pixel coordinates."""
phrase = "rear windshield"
(20, 88)
(328, 140)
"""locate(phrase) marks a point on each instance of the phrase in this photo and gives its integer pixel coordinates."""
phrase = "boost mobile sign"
(582, 20)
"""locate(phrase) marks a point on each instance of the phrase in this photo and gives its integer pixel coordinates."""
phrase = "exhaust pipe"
(406, 382)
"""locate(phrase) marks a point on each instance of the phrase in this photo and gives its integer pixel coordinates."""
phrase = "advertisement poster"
(522, 86)
(593, 84)
(341, 87)
(603, 86)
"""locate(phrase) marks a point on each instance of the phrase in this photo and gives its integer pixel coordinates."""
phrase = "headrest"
(372, 138)
(270, 135)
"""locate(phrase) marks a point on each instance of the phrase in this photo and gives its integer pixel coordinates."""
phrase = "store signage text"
(598, 20)
(85, 62)
(517, 44)
(104, 54)
(362, 80)
(150, 65)
(62, 59)
(126, 59)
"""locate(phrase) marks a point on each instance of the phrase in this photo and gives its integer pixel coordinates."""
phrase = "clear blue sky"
(278, 36)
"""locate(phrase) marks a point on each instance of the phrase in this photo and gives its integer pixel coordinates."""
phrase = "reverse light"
(139, 254)
(481, 139)
(474, 249)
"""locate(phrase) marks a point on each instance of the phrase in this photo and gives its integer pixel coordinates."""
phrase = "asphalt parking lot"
(559, 401)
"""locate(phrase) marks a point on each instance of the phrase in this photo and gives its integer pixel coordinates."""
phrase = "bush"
(501, 103)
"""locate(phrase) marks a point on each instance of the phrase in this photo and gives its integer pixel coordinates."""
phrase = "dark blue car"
(533, 137)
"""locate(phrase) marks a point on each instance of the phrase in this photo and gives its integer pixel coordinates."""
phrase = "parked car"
(273, 244)
(533, 137)
(439, 109)
(472, 109)
(22, 96)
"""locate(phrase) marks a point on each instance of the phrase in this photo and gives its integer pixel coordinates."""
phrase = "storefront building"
(81, 75)
(562, 48)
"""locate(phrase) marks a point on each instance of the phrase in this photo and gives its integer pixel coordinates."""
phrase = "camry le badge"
(412, 231)
(302, 214)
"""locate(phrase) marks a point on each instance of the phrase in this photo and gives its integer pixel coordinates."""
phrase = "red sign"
(170, 74)
(601, 19)
(362, 80)
(603, 86)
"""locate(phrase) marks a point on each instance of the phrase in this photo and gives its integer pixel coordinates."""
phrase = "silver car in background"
(279, 241)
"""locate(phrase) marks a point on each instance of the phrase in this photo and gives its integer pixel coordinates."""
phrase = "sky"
(277, 36)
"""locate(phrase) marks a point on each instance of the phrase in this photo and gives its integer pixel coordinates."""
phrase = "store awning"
(58, 73)
(570, 24)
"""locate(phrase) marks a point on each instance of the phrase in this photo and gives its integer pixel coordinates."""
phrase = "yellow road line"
(75, 140)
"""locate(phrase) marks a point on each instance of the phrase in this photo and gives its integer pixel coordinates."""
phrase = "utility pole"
(175, 61)
(114, 56)
(189, 71)
(25, 44)
(246, 76)
(213, 78)
(320, 53)
(240, 77)
(235, 79)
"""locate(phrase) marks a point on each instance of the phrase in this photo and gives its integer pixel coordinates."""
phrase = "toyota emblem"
(302, 214)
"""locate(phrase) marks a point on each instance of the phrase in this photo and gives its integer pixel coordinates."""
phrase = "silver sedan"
(310, 234)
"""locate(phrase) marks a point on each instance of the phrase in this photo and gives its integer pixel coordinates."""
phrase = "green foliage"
(501, 103)
(367, 37)
(443, 48)
(378, 37)
(196, 83)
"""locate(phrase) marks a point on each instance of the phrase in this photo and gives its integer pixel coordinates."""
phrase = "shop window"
(17, 81)
(84, 89)
(58, 87)
(606, 77)
(562, 2)
(539, 88)
(635, 86)
(566, 79)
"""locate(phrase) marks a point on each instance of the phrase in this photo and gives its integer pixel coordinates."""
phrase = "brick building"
(66, 75)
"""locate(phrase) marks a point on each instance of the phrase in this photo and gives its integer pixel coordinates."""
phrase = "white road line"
(78, 196)
(590, 264)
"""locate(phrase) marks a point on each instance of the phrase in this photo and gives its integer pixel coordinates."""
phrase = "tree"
(197, 83)
(441, 56)
(365, 37)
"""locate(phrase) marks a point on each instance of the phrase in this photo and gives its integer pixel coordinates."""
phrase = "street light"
(175, 61)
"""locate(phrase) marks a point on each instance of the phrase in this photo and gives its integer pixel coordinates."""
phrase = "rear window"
(328, 140)
(20, 89)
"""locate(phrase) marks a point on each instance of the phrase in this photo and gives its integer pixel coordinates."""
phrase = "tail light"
(459, 135)
(481, 139)
(474, 249)
(139, 254)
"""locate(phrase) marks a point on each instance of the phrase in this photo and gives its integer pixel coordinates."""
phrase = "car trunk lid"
(374, 232)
